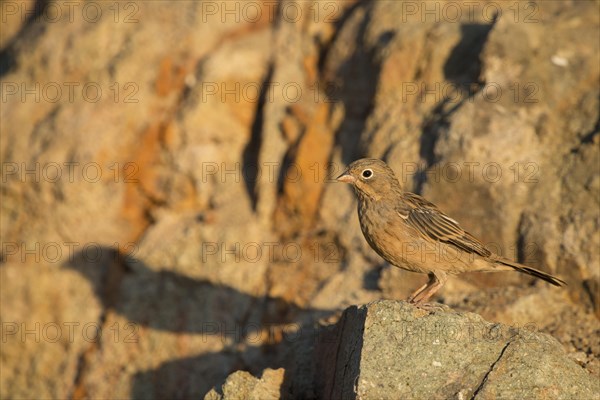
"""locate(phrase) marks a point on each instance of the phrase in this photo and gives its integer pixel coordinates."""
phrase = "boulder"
(391, 349)
(241, 385)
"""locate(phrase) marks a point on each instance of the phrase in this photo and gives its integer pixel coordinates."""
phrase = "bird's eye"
(367, 173)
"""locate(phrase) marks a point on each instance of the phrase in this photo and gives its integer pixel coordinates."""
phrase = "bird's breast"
(379, 227)
(388, 235)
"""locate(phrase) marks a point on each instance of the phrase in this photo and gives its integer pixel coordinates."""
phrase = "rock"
(185, 209)
(577, 328)
(503, 158)
(241, 386)
(390, 349)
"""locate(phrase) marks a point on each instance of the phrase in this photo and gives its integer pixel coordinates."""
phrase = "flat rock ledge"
(391, 349)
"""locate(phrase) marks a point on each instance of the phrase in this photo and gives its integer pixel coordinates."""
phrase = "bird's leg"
(435, 283)
(411, 298)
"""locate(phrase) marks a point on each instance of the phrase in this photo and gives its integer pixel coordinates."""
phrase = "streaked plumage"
(412, 233)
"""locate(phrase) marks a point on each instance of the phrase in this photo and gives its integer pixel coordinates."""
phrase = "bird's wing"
(431, 224)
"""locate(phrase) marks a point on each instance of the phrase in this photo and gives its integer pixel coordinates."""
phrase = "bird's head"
(370, 177)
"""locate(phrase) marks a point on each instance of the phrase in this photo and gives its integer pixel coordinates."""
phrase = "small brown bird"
(413, 234)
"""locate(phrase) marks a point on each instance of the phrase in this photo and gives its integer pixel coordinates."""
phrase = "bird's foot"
(429, 307)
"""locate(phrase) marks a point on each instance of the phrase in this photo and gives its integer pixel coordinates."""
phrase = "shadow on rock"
(251, 333)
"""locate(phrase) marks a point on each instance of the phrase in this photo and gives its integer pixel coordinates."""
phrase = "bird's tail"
(531, 271)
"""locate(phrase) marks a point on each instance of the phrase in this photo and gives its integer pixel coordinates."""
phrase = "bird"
(412, 233)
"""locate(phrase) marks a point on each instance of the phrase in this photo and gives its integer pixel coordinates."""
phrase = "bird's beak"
(346, 178)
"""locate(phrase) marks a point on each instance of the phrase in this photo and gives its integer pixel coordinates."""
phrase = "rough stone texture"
(392, 349)
(337, 361)
(241, 385)
(578, 331)
(191, 271)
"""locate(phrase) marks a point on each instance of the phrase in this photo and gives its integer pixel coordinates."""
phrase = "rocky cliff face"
(167, 212)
